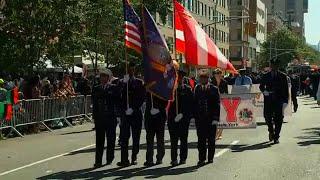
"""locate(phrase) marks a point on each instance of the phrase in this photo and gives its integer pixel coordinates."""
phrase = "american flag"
(132, 27)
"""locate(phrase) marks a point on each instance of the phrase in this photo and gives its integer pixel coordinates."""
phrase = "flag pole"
(175, 52)
(126, 61)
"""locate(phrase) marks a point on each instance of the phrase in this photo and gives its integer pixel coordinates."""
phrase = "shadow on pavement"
(120, 173)
(312, 137)
(253, 147)
(77, 132)
(191, 145)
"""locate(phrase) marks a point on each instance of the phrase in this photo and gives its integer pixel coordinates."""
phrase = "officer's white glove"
(126, 78)
(154, 111)
(214, 123)
(178, 117)
(266, 93)
(284, 106)
(129, 111)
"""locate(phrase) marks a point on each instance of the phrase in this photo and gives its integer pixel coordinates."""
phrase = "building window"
(239, 2)
(191, 5)
(201, 9)
(205, 10)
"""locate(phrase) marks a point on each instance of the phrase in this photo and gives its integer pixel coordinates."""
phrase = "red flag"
(15, 95)
(199, 50)
(9, 112)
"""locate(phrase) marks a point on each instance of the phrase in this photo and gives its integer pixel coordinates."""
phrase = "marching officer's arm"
(196, 101)
(262, 86)
(285, 89)
(216, 104)
(94, 99)
(189, 102)
(141, 93)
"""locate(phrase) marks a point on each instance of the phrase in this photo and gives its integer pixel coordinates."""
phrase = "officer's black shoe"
(210, 161)
(182, 162)
(97, 165)
(148, 164)
(134, 162)
(174, 163)
(123, 164)
(271, 137)
(276, 141)
(159, 162)
(201, 163)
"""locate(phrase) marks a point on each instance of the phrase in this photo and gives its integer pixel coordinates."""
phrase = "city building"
(290, 12)
(257, 31)
(239, 33)
(206, 12)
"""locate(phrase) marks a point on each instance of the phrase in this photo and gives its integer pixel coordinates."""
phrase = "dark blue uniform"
(207, 113)
(131, 124)
(179, 130)
(276, 83)
(294, 91)
(154, 125)
(104, 99)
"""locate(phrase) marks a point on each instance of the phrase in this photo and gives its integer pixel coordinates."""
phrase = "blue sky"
(312, 22)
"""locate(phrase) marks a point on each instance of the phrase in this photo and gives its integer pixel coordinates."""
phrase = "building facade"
(290, 12)
(239, 33)
(258, 31)
(206, 12)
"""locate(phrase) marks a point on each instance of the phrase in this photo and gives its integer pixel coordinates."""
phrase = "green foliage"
(32, 29)
(60, 29)
(288, 45)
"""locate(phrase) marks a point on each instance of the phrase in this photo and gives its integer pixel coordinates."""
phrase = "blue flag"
(159, 73)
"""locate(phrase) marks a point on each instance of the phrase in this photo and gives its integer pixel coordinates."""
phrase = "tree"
(285, 46)
(34, 29)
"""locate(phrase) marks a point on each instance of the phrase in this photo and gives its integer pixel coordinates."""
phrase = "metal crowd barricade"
(29, 111)
(54, 109)
(75, 107)
(33, 111)
(88, 106)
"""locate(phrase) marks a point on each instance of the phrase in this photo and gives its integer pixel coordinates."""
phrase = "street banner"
(159, 73)
(237, 111)
(258, 101)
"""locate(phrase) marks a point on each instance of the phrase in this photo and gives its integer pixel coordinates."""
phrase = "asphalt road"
(241, 154)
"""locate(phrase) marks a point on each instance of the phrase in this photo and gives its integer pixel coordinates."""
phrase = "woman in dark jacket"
(222, 85)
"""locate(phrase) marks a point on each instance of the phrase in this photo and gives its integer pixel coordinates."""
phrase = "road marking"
(45, 160)
(220, 153)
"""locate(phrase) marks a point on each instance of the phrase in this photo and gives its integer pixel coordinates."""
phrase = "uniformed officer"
(104, 98)
(155, 119)
(207, 114)
(178, 122)
(294, 90)
(274, 86)
(131, 122)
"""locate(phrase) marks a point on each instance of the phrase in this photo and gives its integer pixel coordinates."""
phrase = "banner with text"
(237, 111)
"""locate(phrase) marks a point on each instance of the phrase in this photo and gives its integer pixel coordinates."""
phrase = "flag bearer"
(178, 122)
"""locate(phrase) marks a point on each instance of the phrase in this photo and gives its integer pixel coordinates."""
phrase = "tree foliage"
(60, 29)
(284, 45)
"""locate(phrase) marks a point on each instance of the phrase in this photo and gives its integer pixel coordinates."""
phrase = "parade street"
(242, 154)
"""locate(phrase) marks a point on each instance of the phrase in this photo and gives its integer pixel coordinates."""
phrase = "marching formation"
(124, 98)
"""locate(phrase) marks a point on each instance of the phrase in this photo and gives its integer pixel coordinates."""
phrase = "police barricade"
(29, 112)
(54, 109)
(88, 106)
(4, 124)
(76, 106)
